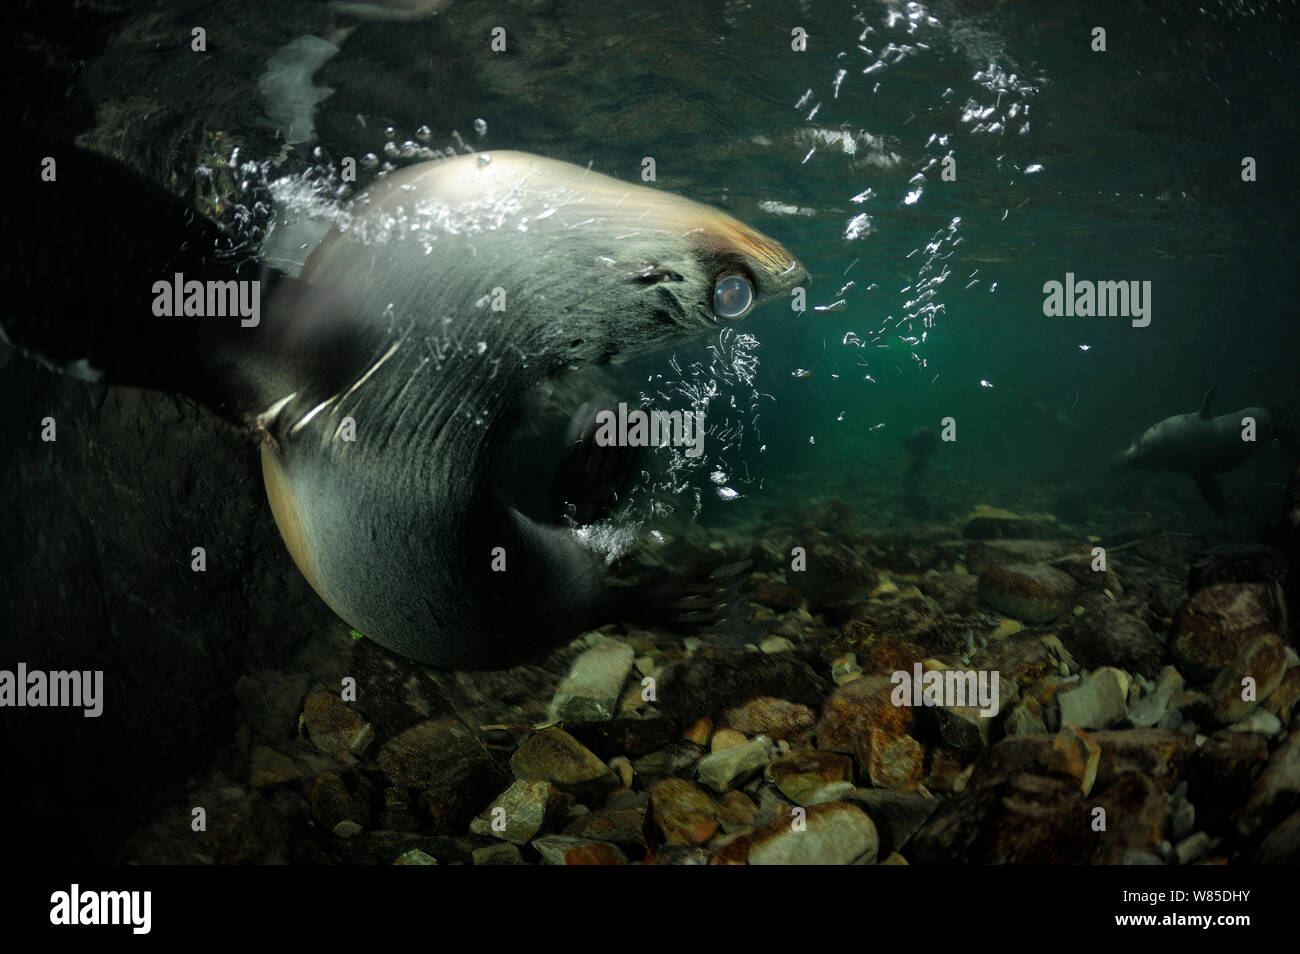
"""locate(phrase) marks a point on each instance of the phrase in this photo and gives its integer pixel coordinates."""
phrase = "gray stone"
(1151, 709)
(1192, 848)
(1182, 818)
(522, 808)
(591, 691)
(1261, 721)
(415, 857)
(503, 854)
(1099, 703)
(832, 834)
(725, 770)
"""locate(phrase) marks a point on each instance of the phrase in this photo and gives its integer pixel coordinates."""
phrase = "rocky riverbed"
(1147, 714)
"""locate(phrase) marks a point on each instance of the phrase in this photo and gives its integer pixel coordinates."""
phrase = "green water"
(1122, 165)
(1140, 149)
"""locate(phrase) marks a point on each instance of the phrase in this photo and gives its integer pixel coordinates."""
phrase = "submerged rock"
(683, 814)
(446, 766)
(1150, 710)
(569, 850)
(1030, 819)
(1035, 593)
(1214, 625)
(896, 815)
(801, 774)
(1276, 788)
(1262, 660)
(772, 717)
(590, 692)
(835, 573)
(1100, 702)
(334, 728)
(552, 755)
(992, 523)
(708, 686)
(835, 833)
(730, 768)
(518, 814)
(1104, 635)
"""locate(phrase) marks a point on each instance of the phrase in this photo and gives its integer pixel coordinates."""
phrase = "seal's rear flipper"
(1212, 493)
(96, 242)
(591, 477)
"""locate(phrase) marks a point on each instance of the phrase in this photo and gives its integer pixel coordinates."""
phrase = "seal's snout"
(776, 268)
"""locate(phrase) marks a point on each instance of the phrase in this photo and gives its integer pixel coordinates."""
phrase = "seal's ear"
(83, 283)
(1207, 403)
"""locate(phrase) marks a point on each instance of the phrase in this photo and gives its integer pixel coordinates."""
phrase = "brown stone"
(1154, 753)
(1136, 811)
(891, 655)
(1075, 755)
(775, 718)
(333, 801)
(1022, 657)
(684, 814)
(700, 731)
(856, 708)
(802, 773)
(334, 728)
(735, 852)
(1214, 625)
(895, 762)
(1282, 700)
(1263, 659)
(1029, 819)
(737, 810)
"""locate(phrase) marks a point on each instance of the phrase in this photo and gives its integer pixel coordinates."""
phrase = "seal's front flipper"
(1212, 493)
(592, 476)
(719, 597)
(715, 602)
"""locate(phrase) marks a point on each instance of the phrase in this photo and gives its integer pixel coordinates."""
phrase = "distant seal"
(1200, 445)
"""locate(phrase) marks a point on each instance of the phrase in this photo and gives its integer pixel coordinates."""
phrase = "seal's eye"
(732, 296)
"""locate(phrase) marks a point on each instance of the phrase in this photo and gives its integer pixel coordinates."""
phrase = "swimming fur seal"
(386, 382)
(1200, 445)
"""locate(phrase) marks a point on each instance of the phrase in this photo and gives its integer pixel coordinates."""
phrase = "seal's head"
(617, 269)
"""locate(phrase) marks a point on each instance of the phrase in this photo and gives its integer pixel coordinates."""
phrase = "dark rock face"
(1107, 636)
(1220, 774)
(99, 530)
